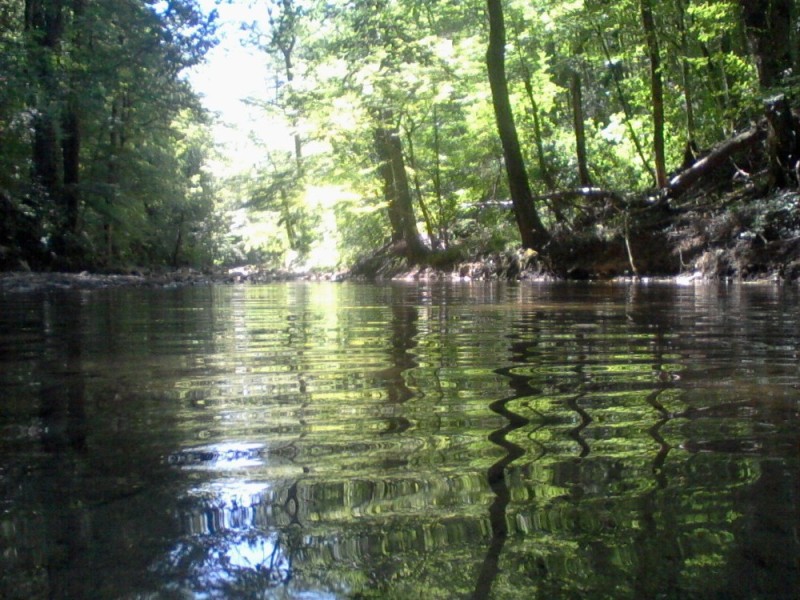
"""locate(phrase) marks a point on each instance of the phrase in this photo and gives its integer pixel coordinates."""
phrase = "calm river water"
(401, 441)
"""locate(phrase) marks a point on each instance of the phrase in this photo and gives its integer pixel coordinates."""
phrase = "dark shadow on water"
(765, 561)
(62, 414)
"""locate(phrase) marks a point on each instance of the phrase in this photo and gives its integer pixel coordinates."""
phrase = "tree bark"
(576, 94)
(176, 251)
(656, 91)
(288, 219)
(783, 145)
(532, 232)
(71, 126)
(387, 179)
(397, 192)
(768, 26)
(686, 78)
(284, 38)
(423, 206)
(544, 170)
(71, 152)
(44, 21)
(45, 155)
(57, 127)
(444, 235)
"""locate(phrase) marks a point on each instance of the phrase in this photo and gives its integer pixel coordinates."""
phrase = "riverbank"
(740, 235)
(517, 265)
(737, 233)
(27, 281)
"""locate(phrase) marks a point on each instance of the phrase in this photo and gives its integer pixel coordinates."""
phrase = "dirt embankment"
(732, 236)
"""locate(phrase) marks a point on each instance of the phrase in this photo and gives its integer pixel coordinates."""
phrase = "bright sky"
(231, 74)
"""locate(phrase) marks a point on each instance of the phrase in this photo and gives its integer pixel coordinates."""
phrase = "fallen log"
(584, 192)
(684, 180)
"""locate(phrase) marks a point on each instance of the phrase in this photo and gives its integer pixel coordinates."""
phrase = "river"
(323, 440)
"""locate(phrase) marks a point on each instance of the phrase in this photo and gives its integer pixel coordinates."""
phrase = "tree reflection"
(496, 474)
(636, 514)
(63, 425)
(390, 442)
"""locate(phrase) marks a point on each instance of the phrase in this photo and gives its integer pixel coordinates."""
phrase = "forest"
(574, 138)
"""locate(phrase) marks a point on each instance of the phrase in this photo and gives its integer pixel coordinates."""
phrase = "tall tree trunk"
(656, 91)
(626, 108)
(538, 139)
(578, 121)
(288, 219)
(686, 77)
(57, 136)
(117, 139)
(389, 149)
(387, 179)
(298, 141)
(717, 81)
(783, 145)
(176, 251)
(544, 170)
(71, 131)
(46, 172)
(444, 235)
(403, 196)
(768, 25)
(795, 39)
(532, 232)
(71, 152)
(44, 22)
(284, 38)
(423, 206)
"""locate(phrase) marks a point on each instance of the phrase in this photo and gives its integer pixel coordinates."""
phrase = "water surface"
(400, 441)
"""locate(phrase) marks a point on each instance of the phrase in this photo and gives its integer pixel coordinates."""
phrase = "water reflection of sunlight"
(228, 455)
(219, 507)
(229, 545)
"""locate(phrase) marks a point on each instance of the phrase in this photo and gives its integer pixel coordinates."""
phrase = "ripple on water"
(337, 441)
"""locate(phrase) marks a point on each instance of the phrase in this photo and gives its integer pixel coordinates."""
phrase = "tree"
(283, 21)
(100, 83)
(396, 190)
(532, 232)
(656, 90)
(279, 185)
(768, 26)
(44, 23)
(370, 47)
(579, 124)
(534, 109)
(392, 95)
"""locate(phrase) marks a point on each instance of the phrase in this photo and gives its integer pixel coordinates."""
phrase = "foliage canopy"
(388, 103)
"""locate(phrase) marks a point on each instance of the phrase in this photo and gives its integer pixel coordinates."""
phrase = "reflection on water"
(402, 441)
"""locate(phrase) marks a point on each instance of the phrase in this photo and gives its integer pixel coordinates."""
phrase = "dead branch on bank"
(684, 180)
